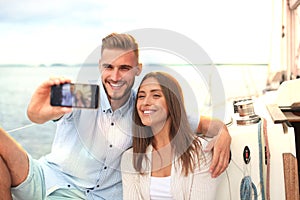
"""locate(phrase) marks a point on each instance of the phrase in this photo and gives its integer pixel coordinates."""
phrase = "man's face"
(118, 70)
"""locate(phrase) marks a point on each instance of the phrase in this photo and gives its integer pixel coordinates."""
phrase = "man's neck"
(116, 104)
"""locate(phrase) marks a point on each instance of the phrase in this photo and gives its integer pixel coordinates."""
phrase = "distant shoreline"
(51, 65)
(147, 64)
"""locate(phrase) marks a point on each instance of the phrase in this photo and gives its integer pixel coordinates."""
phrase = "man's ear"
(139, 67)
(99, 65)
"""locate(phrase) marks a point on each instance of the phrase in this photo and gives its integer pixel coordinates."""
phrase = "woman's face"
(78, 94)
(151, 104)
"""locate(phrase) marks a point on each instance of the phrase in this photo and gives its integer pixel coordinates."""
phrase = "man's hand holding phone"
(39, 109)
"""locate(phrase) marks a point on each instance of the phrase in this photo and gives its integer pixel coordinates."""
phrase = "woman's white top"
(160, 188)
(198, 185)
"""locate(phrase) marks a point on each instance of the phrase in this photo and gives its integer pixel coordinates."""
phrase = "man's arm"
(39, 109)
(220, 143)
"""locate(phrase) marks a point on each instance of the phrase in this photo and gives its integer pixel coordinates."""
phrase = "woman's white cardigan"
(198, 185)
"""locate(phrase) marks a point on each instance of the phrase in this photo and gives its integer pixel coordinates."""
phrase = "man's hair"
(120, 41)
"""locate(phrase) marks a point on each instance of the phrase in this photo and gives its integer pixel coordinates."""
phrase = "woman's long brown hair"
(184, 143)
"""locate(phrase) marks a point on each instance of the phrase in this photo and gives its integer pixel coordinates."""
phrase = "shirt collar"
(129, 103)
(104, 103)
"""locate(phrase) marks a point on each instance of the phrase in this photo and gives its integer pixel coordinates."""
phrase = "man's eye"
(106, 66)
(125, 67)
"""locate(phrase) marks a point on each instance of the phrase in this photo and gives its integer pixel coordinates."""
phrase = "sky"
(66, 31)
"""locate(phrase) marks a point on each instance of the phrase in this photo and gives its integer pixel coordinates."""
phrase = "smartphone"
(75, 95)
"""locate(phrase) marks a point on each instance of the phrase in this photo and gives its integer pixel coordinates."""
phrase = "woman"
(166, 160)
(79, 99)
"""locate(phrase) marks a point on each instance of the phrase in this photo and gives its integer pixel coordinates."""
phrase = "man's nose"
(116, 75)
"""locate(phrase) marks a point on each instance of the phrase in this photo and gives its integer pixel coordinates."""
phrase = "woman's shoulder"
(203, 141)
(128, 154)
(126, 161)
(205, 156)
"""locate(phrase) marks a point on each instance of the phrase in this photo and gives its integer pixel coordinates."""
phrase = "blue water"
(17, 85)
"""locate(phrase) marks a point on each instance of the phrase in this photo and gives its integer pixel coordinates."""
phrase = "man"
(85, 159)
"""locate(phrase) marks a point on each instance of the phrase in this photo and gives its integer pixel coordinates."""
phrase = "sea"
(17, 84)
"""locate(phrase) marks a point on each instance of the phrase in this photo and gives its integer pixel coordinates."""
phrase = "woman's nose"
(147, 100)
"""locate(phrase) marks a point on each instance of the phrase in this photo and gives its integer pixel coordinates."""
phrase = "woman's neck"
(162, 152)
(162, 137)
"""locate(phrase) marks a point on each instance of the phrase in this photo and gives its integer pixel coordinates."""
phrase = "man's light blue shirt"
(87, 150)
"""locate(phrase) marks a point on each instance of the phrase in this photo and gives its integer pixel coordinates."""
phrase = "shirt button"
(112, 124)
(104, 111)
(98, 185)
(110, 145)
(69, 185)
(88, 191)
(105, 167)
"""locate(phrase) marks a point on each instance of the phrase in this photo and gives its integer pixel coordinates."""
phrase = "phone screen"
(75, 95)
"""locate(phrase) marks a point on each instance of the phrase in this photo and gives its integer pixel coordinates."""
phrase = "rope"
(247, 186)
(246, 189)
(261, 174)
(267, 158)
(20, 128)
